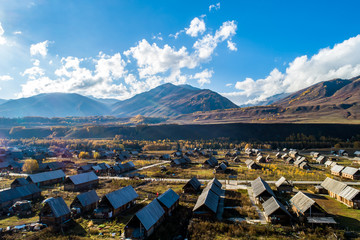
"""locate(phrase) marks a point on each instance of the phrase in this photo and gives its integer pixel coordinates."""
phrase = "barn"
(85, 202)
(283, 185)
(192, 186)
(81, 182)
(351, 173)
(261, 190)
(46, 178)
(54, 211)
(169, 200)
(304, 206)
(275, 212)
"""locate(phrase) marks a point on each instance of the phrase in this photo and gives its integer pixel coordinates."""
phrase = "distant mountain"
(333, 101)
(53, 105)
(107, 101)
(170, 100)
(268, 101)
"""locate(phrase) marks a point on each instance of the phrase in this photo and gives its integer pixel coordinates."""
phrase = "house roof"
(259, 186)
(216, 182)
(223, 166)
(282, 181)
(58, 206)
(194, 182)
(337, 168)
(51, 165)
(83, 178)
(168, 198)
(122, 196)
(215, 188)
(21, 181)
(209, 199)
(271, 205)
(328, 163)
(150, 214)
(302, 202)
(18, 192)
(88, 198)
(86, 167)
(249, 162)
(349, 193)
(299, 161)
(333, 185)
(45, 176)
(350, 170)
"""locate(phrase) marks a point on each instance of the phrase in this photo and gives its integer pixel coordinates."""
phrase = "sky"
(247, 51)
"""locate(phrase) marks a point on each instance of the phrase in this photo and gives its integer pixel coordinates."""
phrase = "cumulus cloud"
(17, 33)
(39, 48)
(214, 6)
(206, 45)
(2, 38)
(197, 26)
(340, 61)
(231, 45)
(203, 77)
(229, 84)
(5, 78)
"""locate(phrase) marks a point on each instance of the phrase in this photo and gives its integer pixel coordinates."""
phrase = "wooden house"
(211, 162)
(26, 192)
(81, 182)
(351, 173)
(275, 212)
(192, 186)
(260, 159)
(299, 160)
(336, 170)
(283, 185)
(289, 160)
(333, 187)
(261, 190)
(54, 212)
(112, 204)
(250, 164)
(85, 202)
(304, 165)
(304, 206)
(85, 168)
(221, 168)
(350, 196)
(328, 163)
(169, 200)
(51, 166)
(47, 178)
(321, 159)
(206, 204)
(18, 182)
(145, 221)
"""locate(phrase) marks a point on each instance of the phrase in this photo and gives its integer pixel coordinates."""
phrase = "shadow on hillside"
(347, 223)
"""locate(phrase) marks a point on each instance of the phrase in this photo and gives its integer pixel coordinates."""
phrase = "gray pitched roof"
(45, 176)
(213, 187)
(302, 202)
(209, 199)
(122, 196)
(333, 185)
(337, 168)
(168, 198)
(350, 170)
(58, 206)
(88, 198)
(83, 178)
(282, 181)
(349, 193)
(328, 163)
(259, 186)
(18, 192)
(271, 205)
(21, 181)
(249, 162)
(216, 182)
(194, 182)
(150, 214)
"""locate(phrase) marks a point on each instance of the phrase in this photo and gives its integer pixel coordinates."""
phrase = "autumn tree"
(96, 155)
(30, 166)
(83, 155)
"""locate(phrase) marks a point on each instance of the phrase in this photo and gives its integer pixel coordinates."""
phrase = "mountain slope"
(53, 105)
(171, 100)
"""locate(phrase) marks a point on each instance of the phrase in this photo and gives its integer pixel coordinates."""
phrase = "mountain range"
(166, 100)
(336, 100)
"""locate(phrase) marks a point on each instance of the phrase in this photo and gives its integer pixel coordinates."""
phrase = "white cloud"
(214, 6)
(229, 84)
(341, 61)
(17, 33)
(2, 38)
(196, 26)
(5, 78)
(39, 48)
(204, 77)
(231, 45)
(206, 45)
(33, 72)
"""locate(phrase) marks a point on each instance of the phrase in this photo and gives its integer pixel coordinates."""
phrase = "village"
(180, 193)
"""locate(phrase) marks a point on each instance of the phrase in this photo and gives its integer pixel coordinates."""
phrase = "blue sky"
(246, 50)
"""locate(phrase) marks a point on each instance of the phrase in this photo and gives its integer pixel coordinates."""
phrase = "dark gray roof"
(88, 198)
(51, 165)
(271, 205)
(18, 192)
(282, 181)
(209, 199)
(302, 202)
(349, 193)
(168, 198)
(85, 167)
(337, 168)
(150, 214)
(223, 166)
(215, 188)
(58, 206)
(83, 178)
(194, 182)
(122, 196)
(333, 185)
(21, 181)
(45, 176)
(259, 186)
(216, 182)
(350, 171)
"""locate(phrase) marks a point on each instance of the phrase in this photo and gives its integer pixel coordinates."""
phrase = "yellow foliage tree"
(96, 155)
(83, 155)
(30, 166)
